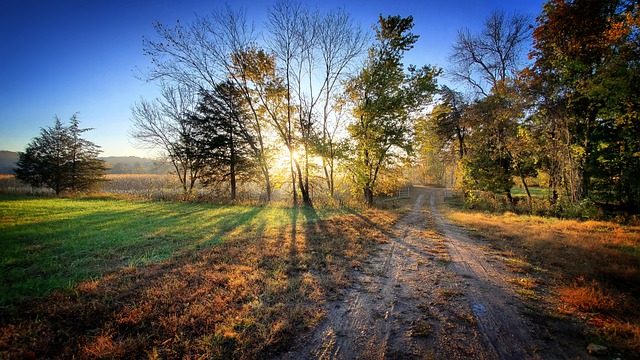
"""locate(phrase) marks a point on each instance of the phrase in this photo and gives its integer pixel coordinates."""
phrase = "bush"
(585, 210)
(487, 201)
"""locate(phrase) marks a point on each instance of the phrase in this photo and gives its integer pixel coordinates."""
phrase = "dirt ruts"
(431, 292)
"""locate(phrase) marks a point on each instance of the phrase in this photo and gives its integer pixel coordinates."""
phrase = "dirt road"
(431, 292)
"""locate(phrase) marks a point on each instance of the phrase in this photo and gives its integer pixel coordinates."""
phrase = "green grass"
(537, 192)
(48, 244)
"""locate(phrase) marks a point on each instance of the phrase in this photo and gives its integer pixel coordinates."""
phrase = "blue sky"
(60, 57)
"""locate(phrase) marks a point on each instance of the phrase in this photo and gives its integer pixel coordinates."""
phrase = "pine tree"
(61, 159)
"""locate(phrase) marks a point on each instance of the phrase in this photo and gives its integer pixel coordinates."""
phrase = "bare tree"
(495, 54)
(164, 125)
(287, 25)
(340, 43)
(202, 55)
(314, 51)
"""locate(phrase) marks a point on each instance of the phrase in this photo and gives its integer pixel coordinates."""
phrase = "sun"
(282, 158)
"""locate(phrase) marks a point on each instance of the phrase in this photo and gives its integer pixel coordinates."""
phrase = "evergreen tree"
(224, 137)
(61, 159)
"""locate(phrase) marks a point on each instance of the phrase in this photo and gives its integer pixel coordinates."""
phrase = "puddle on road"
(479, 310)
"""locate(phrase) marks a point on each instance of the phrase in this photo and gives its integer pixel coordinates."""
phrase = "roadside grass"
(47, 244)
(263, 282)
(592, 267)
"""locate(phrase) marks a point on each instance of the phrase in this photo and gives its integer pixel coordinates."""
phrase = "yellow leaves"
(254, 64)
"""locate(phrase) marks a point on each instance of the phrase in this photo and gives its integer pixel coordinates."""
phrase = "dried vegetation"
(588, 269)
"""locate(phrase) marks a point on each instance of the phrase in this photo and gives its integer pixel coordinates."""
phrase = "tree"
(339, 42)
(495, 54)
(500, 146)
(312, 53)
(586, 74)
(383, 98)
(299, 39)
(164, 125)
(205, 53)
(222, 135)
(448, 120)
(441, 136)
(61, 159)
(289, 41)
(254, 72)
(489, 62)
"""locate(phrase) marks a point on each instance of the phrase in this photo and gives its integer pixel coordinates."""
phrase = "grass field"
(588, 269)
(107, 278)
(52, 243)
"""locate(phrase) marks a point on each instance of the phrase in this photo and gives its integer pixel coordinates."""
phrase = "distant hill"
(118, 164)
(8, 160)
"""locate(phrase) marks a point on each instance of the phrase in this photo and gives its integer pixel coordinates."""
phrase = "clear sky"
(60, 57)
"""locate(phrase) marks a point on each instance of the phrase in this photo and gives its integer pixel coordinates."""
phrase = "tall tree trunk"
(292, 161)
(306, 176)
(588, 150)
(327, 166)
(304, 188)
(331, 178)
(232, 164)
(267, 180)
(232, 175)
(368, 195)
(460, 136)
(526, 188)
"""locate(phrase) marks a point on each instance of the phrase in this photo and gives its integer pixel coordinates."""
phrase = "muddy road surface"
(432, 292)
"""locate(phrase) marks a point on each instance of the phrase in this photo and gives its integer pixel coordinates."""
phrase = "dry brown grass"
(592, 268)
(589, 297)
(245, 298)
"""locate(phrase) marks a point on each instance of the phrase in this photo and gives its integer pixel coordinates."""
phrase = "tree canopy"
(570, 114)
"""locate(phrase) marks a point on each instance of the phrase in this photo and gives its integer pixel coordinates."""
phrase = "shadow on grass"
(244, 298)
(42, 255)
(585, 263)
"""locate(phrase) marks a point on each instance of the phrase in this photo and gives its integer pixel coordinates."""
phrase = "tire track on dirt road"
(504, 332)
(429, 293)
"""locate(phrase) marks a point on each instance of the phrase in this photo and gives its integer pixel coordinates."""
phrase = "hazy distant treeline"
(117, 164)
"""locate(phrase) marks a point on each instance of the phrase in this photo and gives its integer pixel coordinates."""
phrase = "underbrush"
(586, 209)
(246, 297)
(590, 267)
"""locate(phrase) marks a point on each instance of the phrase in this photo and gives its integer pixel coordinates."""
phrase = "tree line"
(568, 112)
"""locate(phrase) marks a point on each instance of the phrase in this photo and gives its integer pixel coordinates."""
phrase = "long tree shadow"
(43, 256)
(243, 298)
